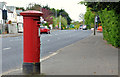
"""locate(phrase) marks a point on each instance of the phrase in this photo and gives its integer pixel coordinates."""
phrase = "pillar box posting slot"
(31, 47)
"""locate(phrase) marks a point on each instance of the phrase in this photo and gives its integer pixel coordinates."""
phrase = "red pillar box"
(31, 52)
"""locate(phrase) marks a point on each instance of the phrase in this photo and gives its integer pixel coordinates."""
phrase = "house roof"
(19, 11)
(11, 8)
(9, 11)
(2, 4)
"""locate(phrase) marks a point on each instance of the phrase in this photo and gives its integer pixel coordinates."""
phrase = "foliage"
(110, 19)
(50, 12)
(99, 6)
(45, 24)
(76, 24)
(33, 6)
(110, 26)
(17, 8)
(63, 21)
(61, 12)
(58, 19)
(55, 21)
(46, 7)
(89, 18)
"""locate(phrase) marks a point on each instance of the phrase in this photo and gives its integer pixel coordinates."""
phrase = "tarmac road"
(12, 47)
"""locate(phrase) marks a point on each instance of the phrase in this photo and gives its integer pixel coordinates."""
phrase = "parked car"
(81, 26)
(99, 29)
(44, 30)
(84, 27)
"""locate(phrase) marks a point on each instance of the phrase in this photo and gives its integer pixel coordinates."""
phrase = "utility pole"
(60, 22)
(94, 25)
(56, 13)
(95, 20)
(4, 17)
(56, 18)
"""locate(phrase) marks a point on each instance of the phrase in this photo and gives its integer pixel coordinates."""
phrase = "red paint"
(99, 29)
(31, 37)
(44, 30)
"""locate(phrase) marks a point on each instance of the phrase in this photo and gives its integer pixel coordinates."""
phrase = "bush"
(110, 23)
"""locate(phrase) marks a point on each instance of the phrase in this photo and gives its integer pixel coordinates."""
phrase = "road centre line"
(56, 34)
(16, 40)
(7, 48)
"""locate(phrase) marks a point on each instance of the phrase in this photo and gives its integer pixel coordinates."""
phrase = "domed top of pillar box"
(31, 13)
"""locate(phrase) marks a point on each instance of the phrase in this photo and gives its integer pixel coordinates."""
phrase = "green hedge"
(111, 26)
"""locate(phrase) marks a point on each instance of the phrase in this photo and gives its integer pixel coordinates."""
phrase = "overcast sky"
(71, 6)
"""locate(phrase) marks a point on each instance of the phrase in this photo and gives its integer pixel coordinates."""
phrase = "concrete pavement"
(11, 35)
(90, 56)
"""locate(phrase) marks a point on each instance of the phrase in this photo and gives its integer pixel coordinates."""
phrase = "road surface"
(12, 47)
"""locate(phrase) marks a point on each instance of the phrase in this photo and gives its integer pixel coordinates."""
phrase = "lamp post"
(95, 20)
(60, 22)
(4, 17)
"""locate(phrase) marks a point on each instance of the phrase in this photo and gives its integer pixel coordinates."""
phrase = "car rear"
(44, 30)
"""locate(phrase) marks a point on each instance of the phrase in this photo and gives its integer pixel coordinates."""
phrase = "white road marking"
(16, 40)
(8, 72)
(50, 35)
(50, 52)
(56, 34)
(5, 73)
(48, 56)
(48, 40)
(7, 48)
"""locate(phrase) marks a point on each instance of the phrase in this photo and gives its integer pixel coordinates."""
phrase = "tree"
(99, 6)
(50, 13)
(56, 21)
(45, 9)
(89, 18)
(17, 8)
(109, 16)
(33, 6)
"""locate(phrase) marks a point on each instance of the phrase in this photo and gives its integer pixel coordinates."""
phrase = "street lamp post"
(94, 24)
(95, 20)
(60, 22)
(4, 17)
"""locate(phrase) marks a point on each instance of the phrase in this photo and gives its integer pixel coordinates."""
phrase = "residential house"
(2, 7)
(12, 14)
(0, 20)
(12, 17)
(19, 20)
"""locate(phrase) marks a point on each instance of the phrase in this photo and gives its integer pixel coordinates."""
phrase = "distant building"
(19, 20)
(12, 14)
(14, 22)
(19, 17)
(12, 17)
(2, 7)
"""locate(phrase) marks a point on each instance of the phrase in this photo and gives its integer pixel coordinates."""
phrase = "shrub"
(111, 27)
